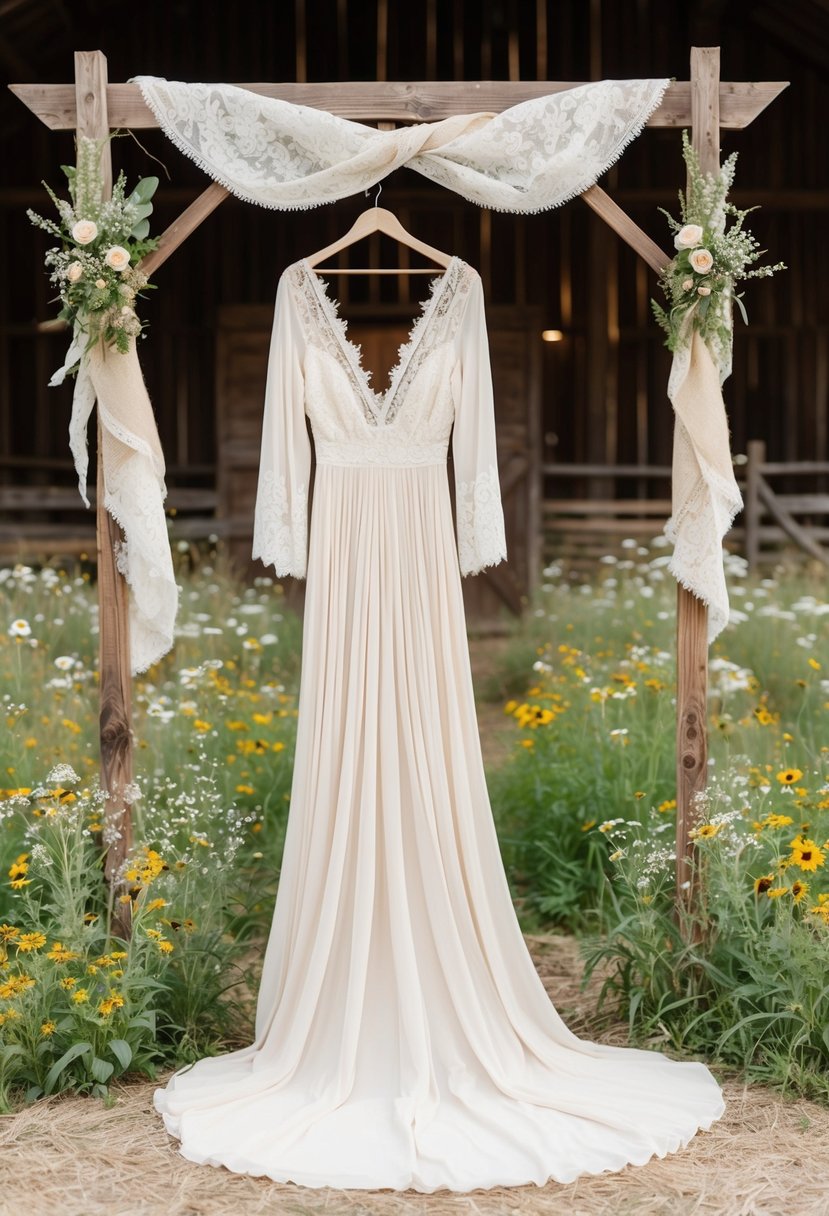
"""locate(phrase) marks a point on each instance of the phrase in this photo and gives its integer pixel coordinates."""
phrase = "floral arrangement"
(96, 266)
(699, 281)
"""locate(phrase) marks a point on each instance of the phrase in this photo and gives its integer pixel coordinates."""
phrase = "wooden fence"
(609, 503)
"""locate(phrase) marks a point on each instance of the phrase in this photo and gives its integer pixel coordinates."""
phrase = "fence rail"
(583, 526)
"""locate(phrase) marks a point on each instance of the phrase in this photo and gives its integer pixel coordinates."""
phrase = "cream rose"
(100, 284)
(117, 257)
(84, 231)
(703, 291)
(74, 271)
(701, 260)
(687, 284)
(688, 237)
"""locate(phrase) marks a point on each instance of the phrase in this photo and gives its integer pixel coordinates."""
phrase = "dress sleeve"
(480, 516)
(280, 525)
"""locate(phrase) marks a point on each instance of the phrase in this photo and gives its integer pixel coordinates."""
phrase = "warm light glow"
(552, 335)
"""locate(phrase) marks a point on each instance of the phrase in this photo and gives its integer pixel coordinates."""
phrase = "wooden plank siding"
(601, 390)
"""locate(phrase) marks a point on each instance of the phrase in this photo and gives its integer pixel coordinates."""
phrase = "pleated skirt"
(403, 1038)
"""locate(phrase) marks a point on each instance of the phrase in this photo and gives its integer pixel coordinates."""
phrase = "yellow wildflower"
(788, 776)
(806, 854)
(80, 996)
(30, 941)
(48, 1028)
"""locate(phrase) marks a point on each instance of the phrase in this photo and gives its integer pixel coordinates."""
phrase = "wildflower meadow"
(584, 805)
(214, 726)
(586, 809)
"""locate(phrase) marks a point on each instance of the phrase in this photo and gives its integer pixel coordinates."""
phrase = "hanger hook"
(377, 195)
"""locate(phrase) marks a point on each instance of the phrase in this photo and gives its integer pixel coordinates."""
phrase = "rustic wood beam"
(180, 229)
(692, 613)
(115, 679)
(626, 228)
(404, 101)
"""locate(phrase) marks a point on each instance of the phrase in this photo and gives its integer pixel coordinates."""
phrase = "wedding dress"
(403, 1038)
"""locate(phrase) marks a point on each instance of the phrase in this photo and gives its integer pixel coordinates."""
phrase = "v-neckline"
(378, 404)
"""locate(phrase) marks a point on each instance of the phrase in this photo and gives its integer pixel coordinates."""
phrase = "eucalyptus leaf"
(738, 301)
(141, 229)
(144, 190)
(143, 209)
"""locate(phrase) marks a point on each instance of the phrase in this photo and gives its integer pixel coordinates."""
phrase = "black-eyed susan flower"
(806, 854)
(799, 890)
(706, 831)
(789, 776)
(763, 884)
(776, 892)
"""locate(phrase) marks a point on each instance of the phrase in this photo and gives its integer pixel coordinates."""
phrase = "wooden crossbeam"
(396, 101)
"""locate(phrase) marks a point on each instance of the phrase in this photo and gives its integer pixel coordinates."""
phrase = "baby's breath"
(711, 259)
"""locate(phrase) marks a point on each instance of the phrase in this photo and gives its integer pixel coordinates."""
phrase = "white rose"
(702, 260)
(703, 291)
(117, 257)
(100, 284)
(688, 237)
(74, 272)
(84, 231)
(688, 284)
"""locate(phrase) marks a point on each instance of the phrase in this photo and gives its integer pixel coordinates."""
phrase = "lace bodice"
(441, 380)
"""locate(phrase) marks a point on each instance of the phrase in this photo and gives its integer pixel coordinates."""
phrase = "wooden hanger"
(377, 219)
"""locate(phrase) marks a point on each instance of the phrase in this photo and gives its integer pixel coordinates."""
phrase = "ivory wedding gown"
(403, 1038)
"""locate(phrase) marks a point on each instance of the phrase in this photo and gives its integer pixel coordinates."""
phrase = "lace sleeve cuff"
(280, 528)
(481, 539)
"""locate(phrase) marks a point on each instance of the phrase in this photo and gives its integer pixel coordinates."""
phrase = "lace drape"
(528, 158)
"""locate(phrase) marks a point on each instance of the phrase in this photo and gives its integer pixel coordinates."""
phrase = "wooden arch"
(92, 106)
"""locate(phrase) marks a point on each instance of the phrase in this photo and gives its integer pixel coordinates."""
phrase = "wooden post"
(691, 613)
(115, 686)
(751, 515)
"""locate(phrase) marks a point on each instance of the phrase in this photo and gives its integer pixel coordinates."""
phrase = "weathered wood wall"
(603, 387)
